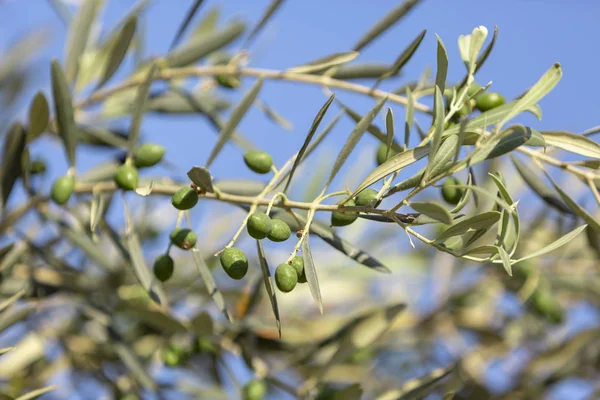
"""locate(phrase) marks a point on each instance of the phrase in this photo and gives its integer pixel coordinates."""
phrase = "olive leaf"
(97, 209)
(554, 245)
(360, 71)
(432, 209)
(442, 68)
(505, 260)
(274, 116)
(152, 315)
(39, 115)
(36, 393)
(482, 57)
(179, 101)
(311, 274)
(269, 285)
(406, 184)
(353, 139)
(483, 120)
(313, 128)
(118, 50)
(436, 138)
(515, 215)
(202, 178)
(78, 36)
(10, 165)
(209, 282)
(132, 362)
(404, 57)
(63, 108)
(267, 14)
(139, 106)
(536, 139)
(418, 388)
(482, 221)
(410, 116)
(572, 204)
(511, 139)
(572, 142)
(324, 63)
(386, 22)
(236, 116)
(442, 160)
(389, 130)
(188, 18)
(202, 324)
(207, 24)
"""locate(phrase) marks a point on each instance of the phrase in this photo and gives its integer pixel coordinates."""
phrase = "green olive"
(163, 267)
(381, 152)
(183, 238)
(234, 262)
(258, 161)
(126, 177)
(37, 167)
(184, 198)
(473, 89)
(488, 101)
(298, 264)
(173, 356)
(547, 305)
(466, 109)
(286, 277)
(148, 154)
(365, 197)
(452, 195)
(228, 81)
(254, 390)
(204, 345)
(280, 232)
(62, 189)
(259, 225)
(339, 218)
(524, 269)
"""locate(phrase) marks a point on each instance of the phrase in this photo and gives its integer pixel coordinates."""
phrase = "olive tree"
(93, 301)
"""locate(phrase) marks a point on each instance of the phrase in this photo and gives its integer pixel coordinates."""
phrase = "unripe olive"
(148, 154)
(466, 109)
(259, 225)
(258, 161)
(62, 189)
(280, 232)
(286, 277)
(228, 81)
(381, 151)
(163, 267)
(184, 198)
(173, 355)
(339, 218)
(489, 100)
(524, 269)
(298, 264)
(37, 167)
(365, 197)
(547, 305)
(473, 88)
(452, 194)
(234, 262)
(254, 390)
(126, 177)
(183, 238)
(204, 345)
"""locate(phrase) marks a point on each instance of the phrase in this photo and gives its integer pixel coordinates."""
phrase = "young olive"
(163, 267)
(286, 277)
(258, 161)
(184, 198)
(234, 262)
(62, 189)
(183, 238)
(259, 225)
(280, 232)
(126, 177)
(339, 218)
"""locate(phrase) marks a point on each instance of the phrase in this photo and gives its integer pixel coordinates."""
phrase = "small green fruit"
(524, 269)
(185, 198)
(234, 262)
(163, 267)
(204, 345)
(37, 167)
(183, 238)
(62, 189)
(286, 277)
(473, 89)
(228, 81)
(173, 355)
(466, 109)
(339, 218)
(381, 151)
(547, 305)
(126, 177)
(148, 154)
(259, 225)
(258, 161)
(280, 232)
(254, 390)
(365, 197)
(298, 264)
(488, 101)
(452, 195)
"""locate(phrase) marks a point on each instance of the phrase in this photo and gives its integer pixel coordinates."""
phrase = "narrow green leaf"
(512, 138)
(118, 50)
(36, 393)
(268, 13)
(324, 63)
(209, 282)
(483, 120)
(274, 116)
(269, 285)
(404, 57)
(442, 66)
(580, 211)
(536, 110)
(505, 260)
(389, 128)
(410, 116)
(202, 324)
(490, 250)
(139, 106)
(78, 36)
(39, 115)
(97, 209)
(311, 274)
(540, 188)
(406, 184)
(11, 300)
(419, 388)
(206, 25)
(394, 164)
(482, 221)
(572, 142)
(313, 128)
(439, 116)
(6, 350)
(63, 108)
(151, 315)
(591, 164)
(554, 245)
(441, 162)
(383, 24)
(515, 215)
(353, 139)
(542, 87)
(10, 164)
(188, 18)
(536, 139)
(432, 209)
(202, 178)
(360, 71)
(236, 116)
(482, 58)
(200, 46)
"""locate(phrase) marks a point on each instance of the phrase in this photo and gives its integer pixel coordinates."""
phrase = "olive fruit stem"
(277, 195)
